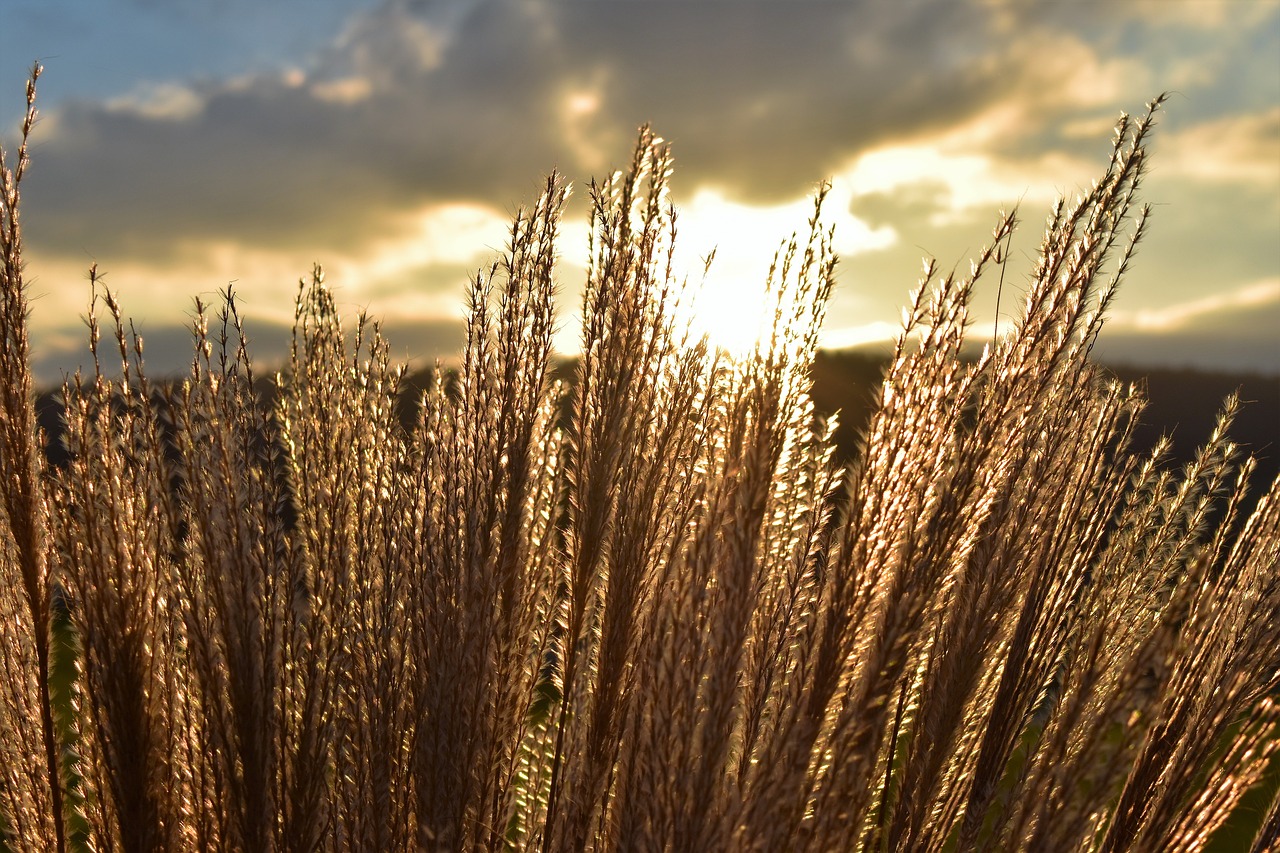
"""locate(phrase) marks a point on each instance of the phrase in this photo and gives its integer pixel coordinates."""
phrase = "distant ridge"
(1183, 403)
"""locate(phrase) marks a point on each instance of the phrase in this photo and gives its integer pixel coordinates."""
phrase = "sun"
(730, 311)
(731, 305)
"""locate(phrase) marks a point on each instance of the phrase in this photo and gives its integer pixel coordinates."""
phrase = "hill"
(1182, 404)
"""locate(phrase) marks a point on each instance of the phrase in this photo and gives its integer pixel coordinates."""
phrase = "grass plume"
(644, 609)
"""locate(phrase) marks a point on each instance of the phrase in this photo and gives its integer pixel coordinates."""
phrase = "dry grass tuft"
(645, 611)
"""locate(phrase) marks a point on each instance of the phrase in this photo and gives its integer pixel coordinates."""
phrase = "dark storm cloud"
(466, 102)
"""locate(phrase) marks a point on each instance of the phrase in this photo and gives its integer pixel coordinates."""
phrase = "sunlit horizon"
(184, 151)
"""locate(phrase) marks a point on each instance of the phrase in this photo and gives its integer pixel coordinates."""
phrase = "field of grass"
(644, 610)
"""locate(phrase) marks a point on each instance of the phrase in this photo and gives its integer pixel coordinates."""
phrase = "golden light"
(732, 307)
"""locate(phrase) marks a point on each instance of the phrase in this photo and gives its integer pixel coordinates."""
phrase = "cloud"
(1208, 311)
(169, 348)
(1202, 14)
(395, 154)
(1242, 148)
(955, 183)
(347, 90)
(158, 102)
(1248, 348)
(419, 104)
(1232, 332)
(846, 337)
(887, 201)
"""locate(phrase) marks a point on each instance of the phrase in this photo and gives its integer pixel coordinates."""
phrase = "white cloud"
(1203, 14)
(265, 280)
(396, 39)
(159, 102)
(347, 90)
(1242, 148)
(973, 180)
(854, 336)
(1186, 315)
(1078, 74)
(391, 154)
(586, 130)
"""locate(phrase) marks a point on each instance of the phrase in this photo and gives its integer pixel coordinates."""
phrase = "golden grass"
(656, 617)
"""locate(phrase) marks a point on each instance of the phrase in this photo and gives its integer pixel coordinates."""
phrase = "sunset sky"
(184, 145)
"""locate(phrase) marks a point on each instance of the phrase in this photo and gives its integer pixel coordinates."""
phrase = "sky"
(187, 145)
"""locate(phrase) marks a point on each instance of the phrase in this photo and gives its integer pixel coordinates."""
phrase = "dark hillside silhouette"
(1182, 404)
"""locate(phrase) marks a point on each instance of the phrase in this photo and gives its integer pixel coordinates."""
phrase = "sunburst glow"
(730, 305)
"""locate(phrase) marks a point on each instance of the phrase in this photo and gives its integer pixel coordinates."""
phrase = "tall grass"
(644, 610)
